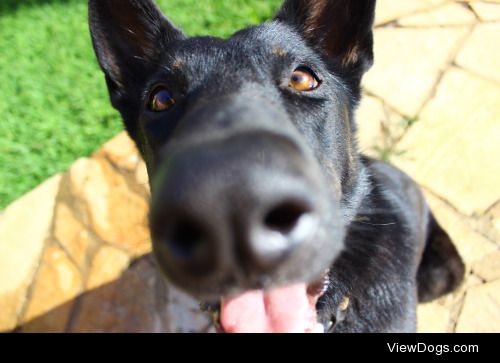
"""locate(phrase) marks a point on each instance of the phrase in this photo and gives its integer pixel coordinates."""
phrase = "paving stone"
(440, 316)
(488, 268)
(474, 1)
(116, 214)
(471, 245)
(494, 217)
(123, 305)
(433, 318)
(57, 284)
(486, 11)
(141, 176)
(450, 14)
(458, 134)
(481, 53)
(139, 301)
(103, 224)
(72, 235)
(25, 227)
(121, 151)
(454, 301)
(480, 313)
(389, 10)
(489, 224)
(379, 127)
(408, 63)
(123, 154)
(108, 265)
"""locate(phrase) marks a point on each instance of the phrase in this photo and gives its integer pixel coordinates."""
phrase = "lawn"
(53, 102)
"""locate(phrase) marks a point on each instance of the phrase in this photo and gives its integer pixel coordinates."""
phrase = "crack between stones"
(448, 65)
(46, 243)
(459, 306)
(461, 215)
(475, 74)
(136, 188)
(471, 9)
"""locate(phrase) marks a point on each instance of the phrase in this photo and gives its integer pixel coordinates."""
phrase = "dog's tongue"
(285, 310)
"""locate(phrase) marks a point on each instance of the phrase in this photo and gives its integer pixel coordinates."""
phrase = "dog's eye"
(304, 80)
(160, 100)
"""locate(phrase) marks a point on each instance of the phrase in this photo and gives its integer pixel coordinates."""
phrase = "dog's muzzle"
(244, 218)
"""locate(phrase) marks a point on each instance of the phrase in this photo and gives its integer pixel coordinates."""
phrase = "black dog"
(260, 199)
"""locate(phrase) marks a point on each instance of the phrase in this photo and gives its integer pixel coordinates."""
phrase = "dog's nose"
(283, 226)
(196, 240)
(237, 206)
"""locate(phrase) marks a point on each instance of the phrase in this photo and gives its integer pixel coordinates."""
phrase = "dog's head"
(250, 146)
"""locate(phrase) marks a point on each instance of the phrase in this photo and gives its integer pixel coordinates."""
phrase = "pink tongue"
(285, 310)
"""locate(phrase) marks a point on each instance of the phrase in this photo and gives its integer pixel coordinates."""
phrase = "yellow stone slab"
(57, 284)
(104, 189)
(433, 318)
(389, 10)
(72, 235)
(471, 245)
(408, 63)
(25, 227)
(489, 267)
(481, 52)
(107, 266)
(378, 126)
(454, 150)
(480, 313)
(450, 14)
(486, 11)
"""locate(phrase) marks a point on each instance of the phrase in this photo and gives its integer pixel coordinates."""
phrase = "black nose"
(282, 226)
(239, 206)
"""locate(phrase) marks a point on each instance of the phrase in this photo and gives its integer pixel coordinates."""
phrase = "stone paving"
(75, 252)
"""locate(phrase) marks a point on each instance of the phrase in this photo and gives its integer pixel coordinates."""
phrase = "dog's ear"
(128, 37)
(341, 29)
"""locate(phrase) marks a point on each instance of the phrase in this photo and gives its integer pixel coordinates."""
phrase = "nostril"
(285, 217)
(187, 240)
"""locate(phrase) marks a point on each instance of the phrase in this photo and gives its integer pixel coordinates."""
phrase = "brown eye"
(160, 100)
(304, 80)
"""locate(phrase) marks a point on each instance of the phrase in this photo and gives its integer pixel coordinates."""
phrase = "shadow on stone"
(139, 301)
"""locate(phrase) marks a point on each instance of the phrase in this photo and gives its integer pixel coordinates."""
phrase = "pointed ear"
(341, 29)
(129, 37)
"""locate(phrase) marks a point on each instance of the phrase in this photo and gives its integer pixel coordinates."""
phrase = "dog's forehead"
(249, 49)
(260, 56)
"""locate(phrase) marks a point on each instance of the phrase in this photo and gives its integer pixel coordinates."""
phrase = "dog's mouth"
(289, 309)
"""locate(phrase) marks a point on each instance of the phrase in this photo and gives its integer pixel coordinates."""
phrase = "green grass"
(53, 103)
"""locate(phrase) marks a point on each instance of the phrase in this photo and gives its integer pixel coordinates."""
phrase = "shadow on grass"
(11, 6)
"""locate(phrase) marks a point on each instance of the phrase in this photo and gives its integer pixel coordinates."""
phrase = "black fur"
(384, 248)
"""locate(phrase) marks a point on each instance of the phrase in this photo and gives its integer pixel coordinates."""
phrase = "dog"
(262, 206)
